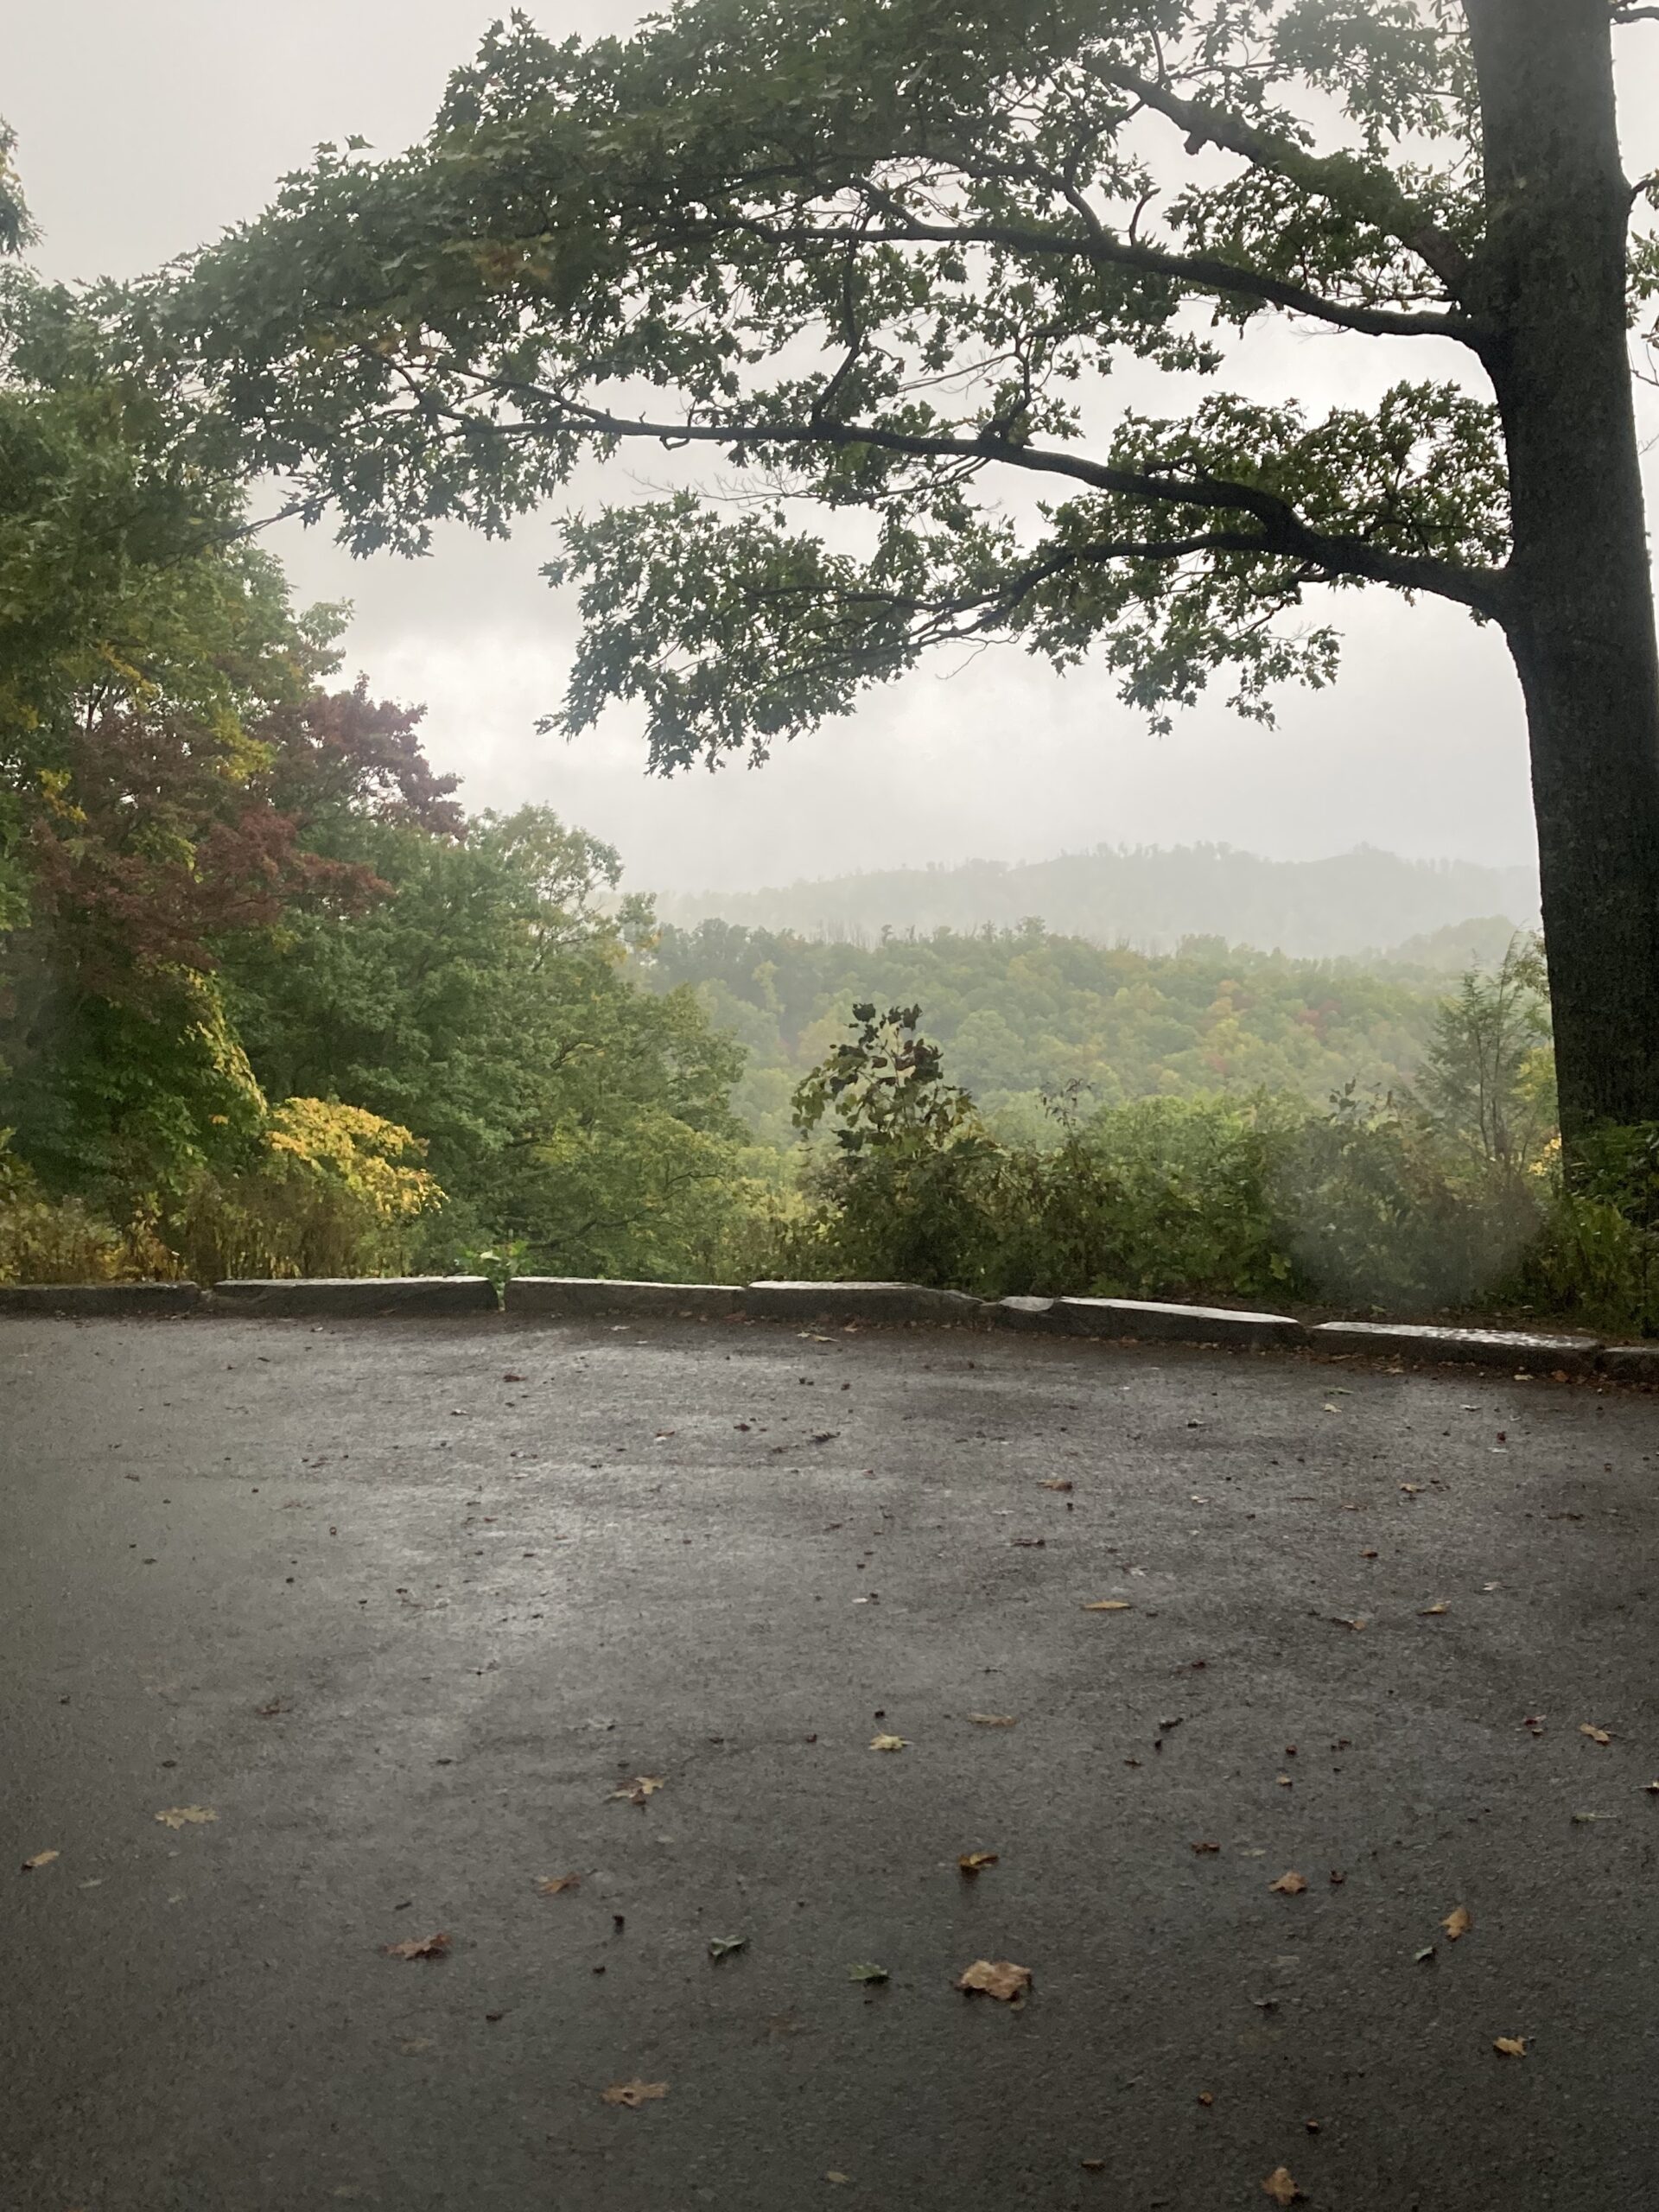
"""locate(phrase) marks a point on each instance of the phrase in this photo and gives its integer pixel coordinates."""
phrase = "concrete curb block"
(1514, 1348)
(862, 1302)
(1631, 1363)
(1150, 1321)
(99, 1301)
(356, 1297)
(571, 1297)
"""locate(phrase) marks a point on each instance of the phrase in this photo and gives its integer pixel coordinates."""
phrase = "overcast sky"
(147, 125)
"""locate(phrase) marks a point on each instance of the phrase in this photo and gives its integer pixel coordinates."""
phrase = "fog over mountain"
(1152, 898)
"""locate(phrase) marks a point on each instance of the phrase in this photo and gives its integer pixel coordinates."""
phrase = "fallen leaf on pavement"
(419, 1947)
(1057, 1483)
(1289, 1885)
(1412, 1490)
(1439, 1606)
(642, 1786)
(837, 2179)
(1509, 2046)
(1283, 1781)
(1458, 1923)
(1533, 1723)
(1596, 1735)
(40, 1858)
(865, 1972)
(1341, 1620)
(976, 1862)
(634, 2094)
(551, 1885)
(1652, 1788)
(995, 1978)
(1201, 1848)
(1585, 1819)
(888, 1742)
(186, 1816)
(724, 1947)
(1109, 1605)
(1280, 2186)
(1428, 1952)
(993, 1719)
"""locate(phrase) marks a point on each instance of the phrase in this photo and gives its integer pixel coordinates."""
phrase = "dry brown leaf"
(420, 1947)
(636, 1791)
(996, 1978)
(1427, 1612)
(1280, 2186)
(1458, 1923)
(1412, 1490)
(552, 1885)
(1057, 1483)
(994, 1720)
(1342, 1620)
(1290, 1885)
(1109, 1605)
(1206, 2097)
(1284, 1781)
(976, 1862)
(1596, 1735)
(1203, 1849)
(186, 1816)
(1652, 1788)
(634, 2094)
(1509, 2046)
(40, 1858)
(888, 1742)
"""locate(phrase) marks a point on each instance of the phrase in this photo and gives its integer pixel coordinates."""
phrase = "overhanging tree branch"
(1359, 187)
(1204, 272)
(1283, 531)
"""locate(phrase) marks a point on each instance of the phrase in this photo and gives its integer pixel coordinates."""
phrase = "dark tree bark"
(1579, 616)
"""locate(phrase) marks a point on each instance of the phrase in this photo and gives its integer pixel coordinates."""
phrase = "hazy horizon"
(140, 139)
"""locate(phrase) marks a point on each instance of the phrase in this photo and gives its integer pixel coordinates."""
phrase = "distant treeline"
(1354, 903)
(1026, 1014)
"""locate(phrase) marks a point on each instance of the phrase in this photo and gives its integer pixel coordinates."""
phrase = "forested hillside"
(1023, 1014)
(1360, 902)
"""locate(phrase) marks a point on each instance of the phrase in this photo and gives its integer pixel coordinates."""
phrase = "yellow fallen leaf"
(1342, 1620)
(837, 2179)
(1439, 1606)
(1412, 1490)
(1509, 2046)
(551, 1885)
(993, 1719)
(1596, 1735)
(1284, 1781)
(995, 1978)
(420, 1947)
(636, 1791)
(1109, 1605)
(1458, 1923)
(634, 2094)
(186, 1816)
(1290, 1885)
(40, 1858)
(974, 1862)
(1280, 2186)
(887, 1743)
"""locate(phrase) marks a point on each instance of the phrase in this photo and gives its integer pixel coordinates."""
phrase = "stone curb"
(570, 1297)
(1120, 1320)
(864, 1301)
(1514, 1349)
(99, 1301)
(356, 1297)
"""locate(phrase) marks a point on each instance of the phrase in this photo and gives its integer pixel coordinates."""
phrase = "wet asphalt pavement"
(403, 1607)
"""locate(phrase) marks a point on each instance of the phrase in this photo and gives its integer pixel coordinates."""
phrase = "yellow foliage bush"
(336, 1190)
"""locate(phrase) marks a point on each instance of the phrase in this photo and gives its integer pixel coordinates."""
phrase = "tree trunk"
(1580, 624)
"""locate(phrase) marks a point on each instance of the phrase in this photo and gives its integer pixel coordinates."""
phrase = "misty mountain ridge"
(1153, 898)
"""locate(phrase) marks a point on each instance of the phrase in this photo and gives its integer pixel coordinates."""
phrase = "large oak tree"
(880, 254)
